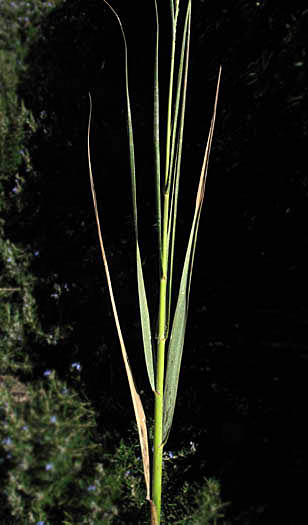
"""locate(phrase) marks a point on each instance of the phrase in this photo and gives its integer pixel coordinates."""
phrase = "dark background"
(243, 397)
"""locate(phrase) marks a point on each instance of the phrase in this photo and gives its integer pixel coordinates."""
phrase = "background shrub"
(52, 470)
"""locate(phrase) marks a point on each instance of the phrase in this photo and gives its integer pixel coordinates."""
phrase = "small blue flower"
(91, 488)
(53, 419)
(24, 427)
(7, 441)
(47, 373)
(64, 390)
(170, 454)
(77, 366)
(40, 522)
(49, 466)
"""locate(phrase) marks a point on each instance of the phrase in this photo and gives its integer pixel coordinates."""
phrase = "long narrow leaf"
(143, 304)
(156, 137)
(176, 344)
(138, 408)
(182, 86)
(172, 10)
(170, 97)
(179, 87)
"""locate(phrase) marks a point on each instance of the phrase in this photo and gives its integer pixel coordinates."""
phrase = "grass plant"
(163, 362)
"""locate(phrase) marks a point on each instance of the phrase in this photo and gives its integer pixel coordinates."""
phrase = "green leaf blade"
(177, 337)
(143, 304)
(145, 322)
(178, 129)
(176, 344)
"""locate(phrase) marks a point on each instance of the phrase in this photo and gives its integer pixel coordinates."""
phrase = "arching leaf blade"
(143, 304)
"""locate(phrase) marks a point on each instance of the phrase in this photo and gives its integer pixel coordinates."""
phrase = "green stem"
(161, 343)
(158, 426)
(163, 301)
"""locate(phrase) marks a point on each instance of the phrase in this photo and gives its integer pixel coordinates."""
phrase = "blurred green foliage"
(19, 23)
(18, 313)
(20, 324)
(52, 467)
(17, 308)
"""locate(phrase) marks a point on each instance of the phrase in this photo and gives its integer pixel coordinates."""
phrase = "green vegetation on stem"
(164, 377)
